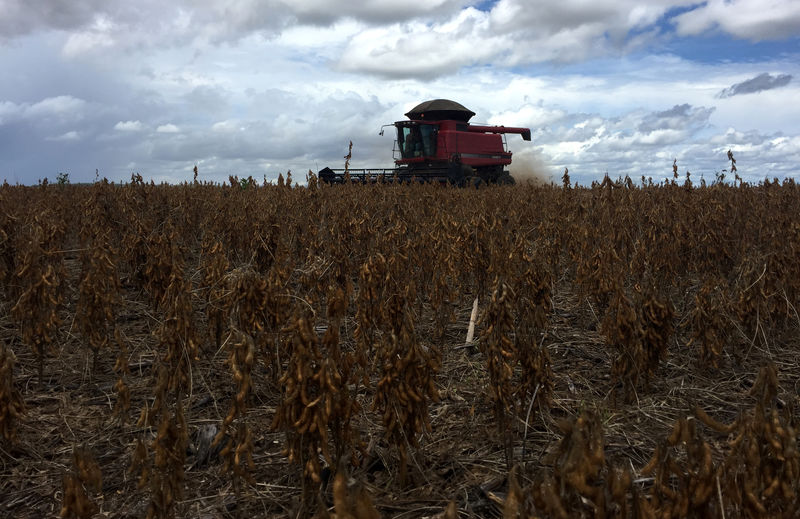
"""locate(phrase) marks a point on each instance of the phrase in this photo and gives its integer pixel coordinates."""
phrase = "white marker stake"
(472, 317)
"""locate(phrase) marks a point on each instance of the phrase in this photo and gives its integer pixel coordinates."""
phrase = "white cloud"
(534, 116)
(226, 126)
(167, 128)
(660, 137)
(57, 108)
(8, 111)
(511, 33)
(98, 36)
(424, 50)
(323, 40)
(751, 19)
(128, 126)
(59, 105)
(66, 137)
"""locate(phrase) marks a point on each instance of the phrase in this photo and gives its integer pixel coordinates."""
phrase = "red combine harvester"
(437, 144)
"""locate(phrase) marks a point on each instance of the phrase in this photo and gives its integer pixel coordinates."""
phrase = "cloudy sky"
(259, 87)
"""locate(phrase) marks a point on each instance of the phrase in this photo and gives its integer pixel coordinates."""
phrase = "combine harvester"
(437, 144)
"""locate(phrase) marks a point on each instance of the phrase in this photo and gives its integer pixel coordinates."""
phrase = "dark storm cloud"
(759, 83)
(374, 12)
(23, 16)
(679, 117)
(150, 22)
(676, 111)
(207, 18)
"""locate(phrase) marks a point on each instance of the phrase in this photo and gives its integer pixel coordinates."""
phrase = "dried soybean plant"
(85, 475)
(166, 475)
(350, 503)
(40, 277)
(173, 370)
(407, 373)
(756, 297)
(141, 465)
(444, 282)
(596, 268)
(238, 451)
(98, 295)
(685, 474)
(178, 341)
(574, 487)
(638, 328)
(498, 346)
(342, 373)
(163, 262)
(255, 306)
(580, 460)
(214, 266)
(534, 303)
(657, 314)
(134, 247)
(122, 405)
(761, 473)
(12, 406)
(303, 412)
(177, 335)
(621, 329)
(7, 249)
(708, 321)
(372, 284)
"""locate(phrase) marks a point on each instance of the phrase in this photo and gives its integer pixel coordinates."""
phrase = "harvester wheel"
(506, 180)
(465, 172)
(475, 182)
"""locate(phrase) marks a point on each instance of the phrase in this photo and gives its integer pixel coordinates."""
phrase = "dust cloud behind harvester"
(528, 166)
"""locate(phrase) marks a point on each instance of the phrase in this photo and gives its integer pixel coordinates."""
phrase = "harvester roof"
(439, 109)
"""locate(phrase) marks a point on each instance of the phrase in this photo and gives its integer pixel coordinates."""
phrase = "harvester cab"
(415, 139)
(437, 144)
